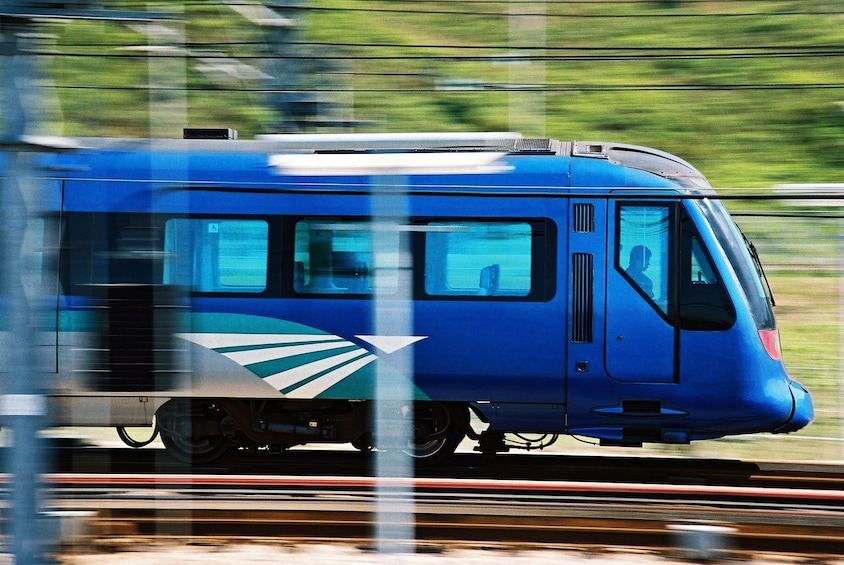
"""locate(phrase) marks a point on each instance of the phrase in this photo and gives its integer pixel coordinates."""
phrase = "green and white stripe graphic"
(299, 361)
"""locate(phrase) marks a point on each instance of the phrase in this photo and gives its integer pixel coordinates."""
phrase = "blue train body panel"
(590, 289)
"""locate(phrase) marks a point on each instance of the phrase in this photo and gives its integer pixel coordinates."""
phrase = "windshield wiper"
(759, 268)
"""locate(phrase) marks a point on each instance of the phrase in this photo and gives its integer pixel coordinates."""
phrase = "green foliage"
(743, 119)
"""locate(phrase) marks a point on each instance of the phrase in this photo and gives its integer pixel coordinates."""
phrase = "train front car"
(554, 288)
(691, 344)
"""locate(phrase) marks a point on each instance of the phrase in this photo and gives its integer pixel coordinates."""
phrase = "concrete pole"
(526, 28)
(395, 508)
(22, 404)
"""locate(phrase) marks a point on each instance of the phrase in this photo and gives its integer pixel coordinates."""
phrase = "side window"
(704, 301)
(642, 252)
(341, 256)
(216, 255)
(470, 258)
(99, 249)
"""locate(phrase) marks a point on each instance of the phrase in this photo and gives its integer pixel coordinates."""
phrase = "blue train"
(228, 292)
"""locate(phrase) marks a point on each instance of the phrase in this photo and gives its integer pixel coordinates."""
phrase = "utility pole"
(23, 402)
(22, 405)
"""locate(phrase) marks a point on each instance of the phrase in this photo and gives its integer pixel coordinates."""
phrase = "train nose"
(804, 410)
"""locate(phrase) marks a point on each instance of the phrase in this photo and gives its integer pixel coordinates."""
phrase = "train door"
(641, 340)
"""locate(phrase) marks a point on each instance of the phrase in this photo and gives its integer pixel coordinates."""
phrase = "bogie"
(437, 431)
(200, 431)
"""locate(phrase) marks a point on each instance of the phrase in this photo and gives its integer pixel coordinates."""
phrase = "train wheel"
(199, 451)
(180, 423)
(437, 430)
(363, 443)
(132, 442)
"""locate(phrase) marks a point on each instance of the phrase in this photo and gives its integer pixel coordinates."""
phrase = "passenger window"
(123, 248)
(216, 255)
(341, 257)
(642, 250)
(478, 259)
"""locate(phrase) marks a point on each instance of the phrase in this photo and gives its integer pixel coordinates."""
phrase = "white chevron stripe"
(292, 376)
(268, 354)
(391, 343)
(216, 341)
(323, 383)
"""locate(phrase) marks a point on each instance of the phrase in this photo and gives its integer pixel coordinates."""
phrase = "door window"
(643, 250)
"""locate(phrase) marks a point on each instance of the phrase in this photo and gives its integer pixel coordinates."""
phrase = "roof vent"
(533, 144)
(209, 133)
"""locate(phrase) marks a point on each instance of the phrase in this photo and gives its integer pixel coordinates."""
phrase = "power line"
(477, 58)
(546, 14)
(713, 51)
(507, 12)
(578, 87)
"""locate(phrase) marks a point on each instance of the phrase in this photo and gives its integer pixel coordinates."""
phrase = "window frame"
(682, 231)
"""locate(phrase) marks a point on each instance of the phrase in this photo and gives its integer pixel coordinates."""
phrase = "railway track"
(539, 467)
(545, 500)
(474, 510)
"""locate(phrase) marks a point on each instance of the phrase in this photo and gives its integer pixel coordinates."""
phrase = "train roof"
(485, 146)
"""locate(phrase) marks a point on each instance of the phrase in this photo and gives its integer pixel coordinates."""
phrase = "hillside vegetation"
(751, 92)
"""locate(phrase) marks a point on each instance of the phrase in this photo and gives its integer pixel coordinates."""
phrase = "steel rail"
(804, 520)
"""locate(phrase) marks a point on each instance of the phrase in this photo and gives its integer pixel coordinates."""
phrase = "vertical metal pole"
(526, 27)
(22, 406)
(168, 114)
(394, 393)
(168, 107)
(841, 333)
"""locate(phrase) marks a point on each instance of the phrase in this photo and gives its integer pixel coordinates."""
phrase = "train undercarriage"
(201, 430)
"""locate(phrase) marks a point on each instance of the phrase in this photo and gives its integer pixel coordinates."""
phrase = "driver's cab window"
(671, 269)
(701, 269)
(642, 250)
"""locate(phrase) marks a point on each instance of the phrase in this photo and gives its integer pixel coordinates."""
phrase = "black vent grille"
(584, 218)
(582, 297)
(533, 144)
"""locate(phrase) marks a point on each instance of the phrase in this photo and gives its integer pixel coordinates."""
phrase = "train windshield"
(744, 260)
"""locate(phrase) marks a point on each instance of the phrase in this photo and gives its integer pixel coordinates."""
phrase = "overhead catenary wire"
(524, 54)
(462, 9)
(501, 87)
